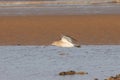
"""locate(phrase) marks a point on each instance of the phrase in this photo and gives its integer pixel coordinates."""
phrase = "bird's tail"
(77, 45)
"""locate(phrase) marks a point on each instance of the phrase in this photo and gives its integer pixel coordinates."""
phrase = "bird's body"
(65, 41)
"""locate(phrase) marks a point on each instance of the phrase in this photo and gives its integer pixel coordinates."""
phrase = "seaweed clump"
(71, 72)
(117, 77)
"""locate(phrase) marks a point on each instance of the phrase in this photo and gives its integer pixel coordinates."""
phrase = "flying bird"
(66, 41)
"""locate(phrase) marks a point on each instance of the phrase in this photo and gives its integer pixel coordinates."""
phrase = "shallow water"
(60, 9)
(101, 7)
(45, 62)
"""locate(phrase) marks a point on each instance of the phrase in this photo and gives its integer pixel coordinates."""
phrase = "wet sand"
(42, 30)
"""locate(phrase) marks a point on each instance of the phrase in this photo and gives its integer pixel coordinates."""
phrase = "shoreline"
(57, 2)
(43, 30)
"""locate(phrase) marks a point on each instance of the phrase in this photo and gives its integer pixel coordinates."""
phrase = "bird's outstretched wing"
(68, 38)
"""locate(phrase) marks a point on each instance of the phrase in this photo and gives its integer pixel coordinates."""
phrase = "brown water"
(42, 30)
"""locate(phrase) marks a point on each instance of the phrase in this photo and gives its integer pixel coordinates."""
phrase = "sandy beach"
(42, 30)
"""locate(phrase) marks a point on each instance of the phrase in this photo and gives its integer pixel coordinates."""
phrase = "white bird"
(66, 41)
